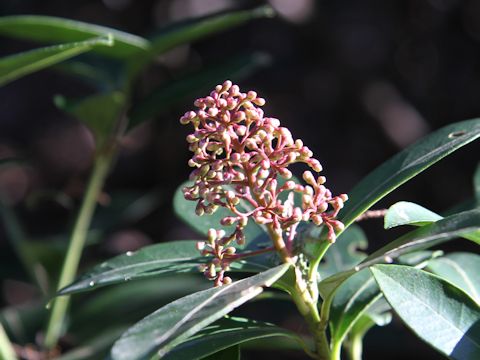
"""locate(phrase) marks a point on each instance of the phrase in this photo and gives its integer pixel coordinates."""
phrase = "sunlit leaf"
(461, 269)
(406, 164)
(438, 312)
(408, 213)
(181, 319)
(16, 66)
(49, 29)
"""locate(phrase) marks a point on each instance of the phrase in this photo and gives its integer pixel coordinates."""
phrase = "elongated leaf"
(476, 184)
(15, 66)
(351, 300)
(462, 224)
(195, 29)
(465, 224)
(185, 210)
(161, 99)
(100, 112)
(6, 348)
(48, 29)
(161, 259)
(438, 312)
(408, 213)
(461, 269)
(183, 318)
(406, 164)
(224, 334)
(232, 353)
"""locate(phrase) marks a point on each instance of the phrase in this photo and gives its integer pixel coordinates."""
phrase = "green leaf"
(438, 312)
(154, 260)
(408, 213)
(16, 66)
(232, 353)
(461, 269)
(193, 85)
(195, 29)
(345, 254)
(101, 113)
(459, 225)
(476, 184)
(6, 348)
(160, 259)
(351, 300)
(185, 210)
(179, 320)
(48, 29)
(407, 164)
(225, 334)
(465, 224)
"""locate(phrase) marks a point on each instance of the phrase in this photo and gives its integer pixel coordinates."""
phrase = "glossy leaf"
(438, 312)
(408, 213)
(16, 66)
(345, 254)
(465, 224)
(462, 224)
(191, 86)
(476, 183)
(100, 112)
(461, 269)
(183, 318)
(406, 164)
(224, 334)
(351, 300)
(49, 29)
(151, 261)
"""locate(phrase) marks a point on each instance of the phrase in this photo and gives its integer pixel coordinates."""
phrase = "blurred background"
(356, 80)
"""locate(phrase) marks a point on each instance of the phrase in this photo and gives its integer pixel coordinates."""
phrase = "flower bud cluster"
(242, 157)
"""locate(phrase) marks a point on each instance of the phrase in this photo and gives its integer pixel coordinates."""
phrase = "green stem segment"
(77, 243)
(6, 348)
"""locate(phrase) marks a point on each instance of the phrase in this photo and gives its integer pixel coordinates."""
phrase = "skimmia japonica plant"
(263, 234)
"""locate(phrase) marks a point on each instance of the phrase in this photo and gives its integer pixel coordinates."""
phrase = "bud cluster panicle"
(239, 155)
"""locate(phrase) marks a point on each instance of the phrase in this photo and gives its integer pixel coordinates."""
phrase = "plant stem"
(77, 242)
(6, 348)
(336, 350)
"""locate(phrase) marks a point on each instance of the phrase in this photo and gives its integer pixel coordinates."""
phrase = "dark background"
(356, 80)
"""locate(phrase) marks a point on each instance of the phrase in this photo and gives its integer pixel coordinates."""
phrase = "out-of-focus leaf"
(406, 164)
(49, 29)
(100, 112)
(461, 269)
(193, 85)
(438, 312)
(408, 213)
(462, 224)
(195, 29)
(95, 349)
(160, 259)
(345, 254)
(183, 318)
(232, 353)
(6, 348)
(16, 66)
(23, 321)
(225, 334)
(185, 210)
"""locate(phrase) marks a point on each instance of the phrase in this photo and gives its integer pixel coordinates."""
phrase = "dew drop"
(49, 305)
(103, 265)
(357, 268)
(129, 253)
(127, 278)
(456, 134)
(388, 259)
(91, 283)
